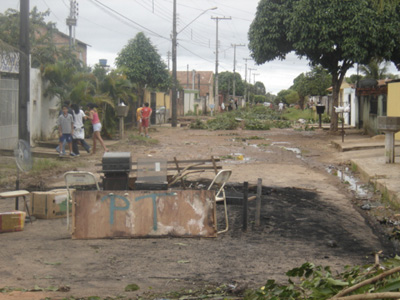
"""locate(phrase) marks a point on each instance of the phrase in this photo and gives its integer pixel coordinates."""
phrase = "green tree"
(301, 86)
(225, 84)
(143, 65)
(43, 49)
(353, 79)
(313, 83)
(259, 88)
(288, 97)
(376, 69)
(332, 33)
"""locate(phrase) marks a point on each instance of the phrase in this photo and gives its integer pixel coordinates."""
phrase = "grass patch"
(388, 201)
(263, 145)
(141, 140)
(293, 114)
(45, 164)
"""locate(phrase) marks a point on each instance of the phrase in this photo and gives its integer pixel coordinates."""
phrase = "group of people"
(143, 115)
(71, 128)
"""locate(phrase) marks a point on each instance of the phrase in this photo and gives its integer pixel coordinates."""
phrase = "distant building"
(198, 88)
(62, 40)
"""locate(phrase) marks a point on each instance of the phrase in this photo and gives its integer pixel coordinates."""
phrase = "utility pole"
(24, 70)
(71, 21)
(217, 19)
(251, 69)
(254, 77)
(234, 67)
(245, 79)
(168, 57)
(174, 116)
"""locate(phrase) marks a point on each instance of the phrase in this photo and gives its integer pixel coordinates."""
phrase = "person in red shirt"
(146, 113)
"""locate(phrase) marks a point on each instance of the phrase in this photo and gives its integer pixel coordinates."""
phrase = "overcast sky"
(108, 25)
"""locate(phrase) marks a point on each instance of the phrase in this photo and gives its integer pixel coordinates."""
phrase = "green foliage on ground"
(319, 283)
(258, 117)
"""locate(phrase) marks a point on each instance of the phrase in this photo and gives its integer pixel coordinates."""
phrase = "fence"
(8, 113)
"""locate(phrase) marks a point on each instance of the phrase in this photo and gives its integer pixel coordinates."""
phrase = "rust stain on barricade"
(132, 214)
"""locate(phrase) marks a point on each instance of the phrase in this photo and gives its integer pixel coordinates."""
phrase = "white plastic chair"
(78, 178)
(220, 180)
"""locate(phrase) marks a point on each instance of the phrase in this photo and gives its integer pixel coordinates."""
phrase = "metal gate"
(8, 113)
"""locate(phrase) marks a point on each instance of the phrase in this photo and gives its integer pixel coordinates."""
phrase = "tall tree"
(332, 33)
(43, 48)
(259, 88)
(376, 69)
(315, 83)
(143, 65)
(225, 84)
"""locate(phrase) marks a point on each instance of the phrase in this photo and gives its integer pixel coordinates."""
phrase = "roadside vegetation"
(258, 117)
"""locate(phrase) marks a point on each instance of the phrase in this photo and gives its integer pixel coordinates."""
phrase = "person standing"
(79, 130)
(139, 119)
(146, 114)
(94, 117)
(68, 104)
(65, 124)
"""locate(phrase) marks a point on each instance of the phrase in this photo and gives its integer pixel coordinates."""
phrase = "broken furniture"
(81, 179)
(17, 194)
(184, 168)
(389, 125)
(219, 181)
(116, 167)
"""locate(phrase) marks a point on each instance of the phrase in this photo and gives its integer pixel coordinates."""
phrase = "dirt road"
(307, 216)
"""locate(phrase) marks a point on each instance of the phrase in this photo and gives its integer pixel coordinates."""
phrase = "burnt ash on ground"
(298, 215)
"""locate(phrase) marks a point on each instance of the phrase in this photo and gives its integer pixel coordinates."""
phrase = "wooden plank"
(112, 214)
(258, 201)
(245, 205)
(190, 161)
(174, 169)
(179, 173)
(214, 165)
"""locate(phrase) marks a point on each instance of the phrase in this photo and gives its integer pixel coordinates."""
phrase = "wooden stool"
(14, 194)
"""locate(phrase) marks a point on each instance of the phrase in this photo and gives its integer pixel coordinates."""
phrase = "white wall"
(189, 101)
(349, 99)
(43, 112)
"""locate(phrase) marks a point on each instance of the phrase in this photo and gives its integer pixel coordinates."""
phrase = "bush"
(256, 124)
(222, 122)
(198, 124)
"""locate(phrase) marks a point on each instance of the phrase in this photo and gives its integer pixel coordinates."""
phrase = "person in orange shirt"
(146, 114)
(139, 119)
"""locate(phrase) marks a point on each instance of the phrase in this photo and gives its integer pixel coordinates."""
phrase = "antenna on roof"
(72, 21)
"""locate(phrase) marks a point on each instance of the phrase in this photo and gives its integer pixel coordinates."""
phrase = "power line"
(98, 3)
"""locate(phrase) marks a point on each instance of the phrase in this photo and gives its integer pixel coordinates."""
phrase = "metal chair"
(78, 178)
(220, 180)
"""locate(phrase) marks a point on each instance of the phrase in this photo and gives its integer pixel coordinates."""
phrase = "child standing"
(65, 124)
(146, 114)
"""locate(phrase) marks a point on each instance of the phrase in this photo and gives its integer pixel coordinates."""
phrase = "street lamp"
(212, 8)
(174, 44)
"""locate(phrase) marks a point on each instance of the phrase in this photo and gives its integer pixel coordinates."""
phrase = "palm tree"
(376, 69)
